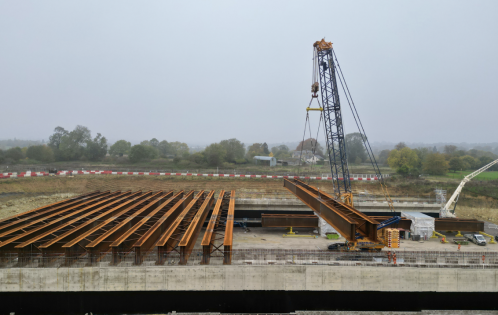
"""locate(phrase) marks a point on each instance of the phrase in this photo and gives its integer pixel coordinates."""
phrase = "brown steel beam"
(29, 215)
(54, 231)
(457, 224)
(44, 215)
(59, 203)
(150, 237)
(57, 242)
(210, 234)
(228, 241)
(123, 242)
(45, 226)
(187, 243)
(289, 220)
(83, 239)
(171, 237)
(345, 219)
(102, 242)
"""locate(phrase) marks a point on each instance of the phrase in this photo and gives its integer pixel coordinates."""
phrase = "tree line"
(418, 161)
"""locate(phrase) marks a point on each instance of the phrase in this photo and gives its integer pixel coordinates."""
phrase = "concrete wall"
(207, 278)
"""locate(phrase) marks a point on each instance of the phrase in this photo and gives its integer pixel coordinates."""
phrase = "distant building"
(265, 160)
(314, 159)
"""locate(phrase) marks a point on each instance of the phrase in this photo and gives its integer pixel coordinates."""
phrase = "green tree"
(436, 164)
(72, 145)
(309, 144)
(400, 146)
(281, 152)
(41, 153)
(256, 149)
(164, 148)
(138, 153)
(96, 149)
(15, 154)
(154, 142)
(120, 148)
(404, 161)
(179, 148)
(265, 149)
(472, 162)
(450, 149)
(55, 140)
(355, 149)
(197, 157)
(234, 149)
(383, 156)
(215, 154)
(457, 164)
(2, 156)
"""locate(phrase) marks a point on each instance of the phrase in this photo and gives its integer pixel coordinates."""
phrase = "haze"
(201, 72)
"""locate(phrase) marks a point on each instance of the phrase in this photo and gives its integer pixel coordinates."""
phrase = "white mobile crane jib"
(445, 210)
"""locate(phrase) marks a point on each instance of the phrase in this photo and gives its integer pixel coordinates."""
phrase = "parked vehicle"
(476, 238)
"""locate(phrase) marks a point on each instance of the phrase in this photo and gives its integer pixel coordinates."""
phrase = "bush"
(14, 154)
(41, 153)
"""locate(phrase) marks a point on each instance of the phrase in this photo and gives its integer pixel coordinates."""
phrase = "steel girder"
(208, 241)
(345, 219)
(228, 240)
(149, 238)
(457, 224)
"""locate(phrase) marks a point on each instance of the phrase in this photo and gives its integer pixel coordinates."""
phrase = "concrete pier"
(254, 278)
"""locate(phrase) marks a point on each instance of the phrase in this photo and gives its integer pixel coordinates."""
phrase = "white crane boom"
(445, 211)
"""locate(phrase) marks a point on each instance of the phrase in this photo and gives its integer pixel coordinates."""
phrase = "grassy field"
(483, 176)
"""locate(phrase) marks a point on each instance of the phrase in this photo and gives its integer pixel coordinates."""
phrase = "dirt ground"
(13, 206)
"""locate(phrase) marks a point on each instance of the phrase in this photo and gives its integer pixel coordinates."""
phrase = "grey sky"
(204, 71)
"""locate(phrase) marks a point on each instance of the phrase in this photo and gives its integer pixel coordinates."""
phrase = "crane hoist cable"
(359, 124)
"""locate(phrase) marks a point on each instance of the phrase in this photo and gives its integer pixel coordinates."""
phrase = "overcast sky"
(204, 71)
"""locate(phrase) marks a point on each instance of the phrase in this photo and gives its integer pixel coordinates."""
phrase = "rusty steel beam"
(45, 226)
(29, 215)
(228, 240)
(289, 220)
(458, 224)
(210, 234)
(345, 219)
(123, 243)
(57, 242)
(54, 231)
(149, 238)
(171, 237)
(102, 242)
(44, 215)
(187, 243)
(83, 239)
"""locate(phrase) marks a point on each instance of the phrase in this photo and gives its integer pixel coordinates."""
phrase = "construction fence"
(254, 257)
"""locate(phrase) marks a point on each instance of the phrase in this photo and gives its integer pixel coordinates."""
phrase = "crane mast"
(334, 130)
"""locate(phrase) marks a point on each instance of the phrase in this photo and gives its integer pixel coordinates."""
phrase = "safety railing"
(260, 257)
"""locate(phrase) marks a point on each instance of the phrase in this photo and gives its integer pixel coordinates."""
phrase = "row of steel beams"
(125, 223)
(148, 240)
(345, 219)
(170, 238)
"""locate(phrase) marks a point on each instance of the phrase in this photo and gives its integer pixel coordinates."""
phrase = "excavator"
(326, 70)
